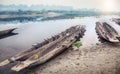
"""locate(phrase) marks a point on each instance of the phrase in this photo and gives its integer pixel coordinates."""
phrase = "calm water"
(34, 32)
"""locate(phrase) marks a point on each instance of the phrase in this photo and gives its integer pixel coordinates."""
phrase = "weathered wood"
(116, 20)
(52, 50)
(24, 55)
(6, 33)
(46, 50)
(107, 32)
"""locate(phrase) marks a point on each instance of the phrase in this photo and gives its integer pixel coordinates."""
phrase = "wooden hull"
(7, 33)
(44, 51)
(107, 32)
(116, 20)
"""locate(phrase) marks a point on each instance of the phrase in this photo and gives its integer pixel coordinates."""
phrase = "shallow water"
(34, 32)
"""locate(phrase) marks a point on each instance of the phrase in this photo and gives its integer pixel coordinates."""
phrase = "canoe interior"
(107, 32)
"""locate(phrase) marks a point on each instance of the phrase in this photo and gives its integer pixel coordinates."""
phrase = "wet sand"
(95, 59)
(98, 59)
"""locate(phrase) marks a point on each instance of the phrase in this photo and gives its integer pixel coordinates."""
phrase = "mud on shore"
(97, 59)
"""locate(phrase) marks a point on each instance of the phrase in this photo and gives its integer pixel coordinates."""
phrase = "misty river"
(35, 32)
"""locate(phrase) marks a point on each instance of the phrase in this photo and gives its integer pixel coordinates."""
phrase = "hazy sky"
(105, 5)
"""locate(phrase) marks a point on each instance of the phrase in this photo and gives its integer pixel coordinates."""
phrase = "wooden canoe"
(116, 20)
(6, 33)
(49, 48)
(107, 32)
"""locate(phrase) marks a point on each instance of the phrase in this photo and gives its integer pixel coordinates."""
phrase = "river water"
(34, 32)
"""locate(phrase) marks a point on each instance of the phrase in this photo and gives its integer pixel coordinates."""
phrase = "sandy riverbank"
(94, 59)
(99, 59)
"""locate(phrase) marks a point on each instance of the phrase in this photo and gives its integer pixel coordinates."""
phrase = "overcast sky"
(105, 5)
